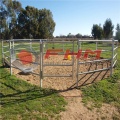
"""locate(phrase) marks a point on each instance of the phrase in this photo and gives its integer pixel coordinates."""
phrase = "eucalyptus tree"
(108, 29)
(46, 23)
(97, 31)
(3, 23)
(117, 36)
(35, 23)
(9, 11)
(30, 22)
(78, 35)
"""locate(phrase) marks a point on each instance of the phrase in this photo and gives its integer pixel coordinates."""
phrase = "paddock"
(56, 71)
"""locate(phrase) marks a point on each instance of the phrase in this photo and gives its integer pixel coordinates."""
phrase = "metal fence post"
(79, 45)
(30, 44)
(111, 72)
(2, 45)
(41, 65)
(73, 61)
(96, 45)
(10, 57)
(117, 51)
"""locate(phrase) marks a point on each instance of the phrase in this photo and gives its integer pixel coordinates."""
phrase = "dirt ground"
(75, 110)
(65, 83)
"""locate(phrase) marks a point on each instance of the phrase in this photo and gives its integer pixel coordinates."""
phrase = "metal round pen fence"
(12, 49)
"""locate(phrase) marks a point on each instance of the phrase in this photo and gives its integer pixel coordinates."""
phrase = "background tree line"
(30, 22)
(98, 32)
(105, 32)
(78, 35)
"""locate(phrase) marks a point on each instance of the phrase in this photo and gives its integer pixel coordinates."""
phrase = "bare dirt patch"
(76, 110)
(64, 83)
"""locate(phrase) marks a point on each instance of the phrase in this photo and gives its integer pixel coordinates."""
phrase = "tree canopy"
(117, 36)
(9, 11)
(97, 31)
(106, 32)
(108, 29)
(30, 22)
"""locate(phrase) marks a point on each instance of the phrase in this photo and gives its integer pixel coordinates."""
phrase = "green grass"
(20, 100)
(105, 91)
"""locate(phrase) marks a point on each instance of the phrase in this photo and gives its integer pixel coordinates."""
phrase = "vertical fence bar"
(77, 65)
(10, 57)
(14, 53)
(2, 45)
(30, 44)
(117, 51)
(63, 47)
(73, 61)
(96, 45)
(46, 46)
(79, 42)
(13, 44)
(111, 72)
(42, 43)
(41, 65)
